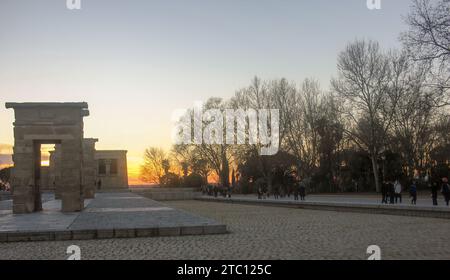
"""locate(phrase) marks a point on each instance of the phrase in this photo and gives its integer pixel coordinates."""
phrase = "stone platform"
(108, 215)
(163, 194)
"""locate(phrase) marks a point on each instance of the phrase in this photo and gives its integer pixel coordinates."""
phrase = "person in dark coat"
(276, 191)
(384, 192)
(445, 190)
(215, 191)
(260, 192)
(391, 190)
(296, 186)
(296, 193)
(413, 193)
(302, 191)
(434, 192)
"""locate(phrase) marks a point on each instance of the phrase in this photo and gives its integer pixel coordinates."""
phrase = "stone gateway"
(73, 170)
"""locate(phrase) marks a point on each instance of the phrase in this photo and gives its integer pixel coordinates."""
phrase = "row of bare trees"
(383, 105)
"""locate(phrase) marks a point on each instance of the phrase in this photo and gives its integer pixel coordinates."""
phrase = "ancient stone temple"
(112, 169)
(89, 167)
(73, 170)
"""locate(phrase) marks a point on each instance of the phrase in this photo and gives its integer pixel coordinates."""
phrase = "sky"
(136, 61)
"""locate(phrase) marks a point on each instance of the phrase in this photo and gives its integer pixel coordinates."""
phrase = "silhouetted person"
(434, 192)
(276, 192)
(296, 193)
(413, 193)
(302, 191)
(391, 190)
(99, 184)
(229, 191)
(295, 185)
(203, 189)
(384, 192)
(445, 190)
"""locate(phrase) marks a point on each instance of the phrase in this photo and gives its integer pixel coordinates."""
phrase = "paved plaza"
(258, 232)
(121, 214)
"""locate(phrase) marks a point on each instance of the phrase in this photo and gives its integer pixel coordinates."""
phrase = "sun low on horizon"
(137, 62)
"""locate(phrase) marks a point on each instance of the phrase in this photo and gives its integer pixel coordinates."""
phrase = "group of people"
(391, 191)
(296, 187)
(216, 190)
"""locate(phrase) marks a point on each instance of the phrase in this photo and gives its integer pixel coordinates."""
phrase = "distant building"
(111, 169)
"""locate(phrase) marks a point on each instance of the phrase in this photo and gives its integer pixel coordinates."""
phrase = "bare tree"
(416, 113)
(304, 112)
(367, 88)
(428, 37)
(154, 166)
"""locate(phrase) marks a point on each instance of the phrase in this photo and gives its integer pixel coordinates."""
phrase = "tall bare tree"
(367, 88)
(428, 37)
(154, 166)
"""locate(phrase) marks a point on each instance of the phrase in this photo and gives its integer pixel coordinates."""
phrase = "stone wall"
(89, 168)
(112, 170)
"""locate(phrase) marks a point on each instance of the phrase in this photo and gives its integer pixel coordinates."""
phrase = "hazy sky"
(135, 61)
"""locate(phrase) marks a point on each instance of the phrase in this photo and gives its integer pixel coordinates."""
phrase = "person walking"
(215, 191)
(229, 191)
(384, 191)
(445, 190)
(296, 193)
(297, 181)
(391, 189)
(398, 191)
(276, 192)
(434, 192)
(413, 193)
(302, 191)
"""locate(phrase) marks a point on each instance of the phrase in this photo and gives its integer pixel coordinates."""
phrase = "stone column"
(55, 171)
(89, 168)
(71, 175)
(22, 177)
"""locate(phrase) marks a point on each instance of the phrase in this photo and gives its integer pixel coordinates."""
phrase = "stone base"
(23, 201)
(71, 202)
(89, 193)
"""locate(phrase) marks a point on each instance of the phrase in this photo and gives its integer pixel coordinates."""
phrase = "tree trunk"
(375, 172)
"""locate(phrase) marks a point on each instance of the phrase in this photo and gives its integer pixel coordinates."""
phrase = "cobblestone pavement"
(258, 232)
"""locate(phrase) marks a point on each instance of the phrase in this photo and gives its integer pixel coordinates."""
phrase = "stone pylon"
(47, 123)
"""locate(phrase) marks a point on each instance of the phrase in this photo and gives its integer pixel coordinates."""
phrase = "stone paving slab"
(442, 212)
(109, 215)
